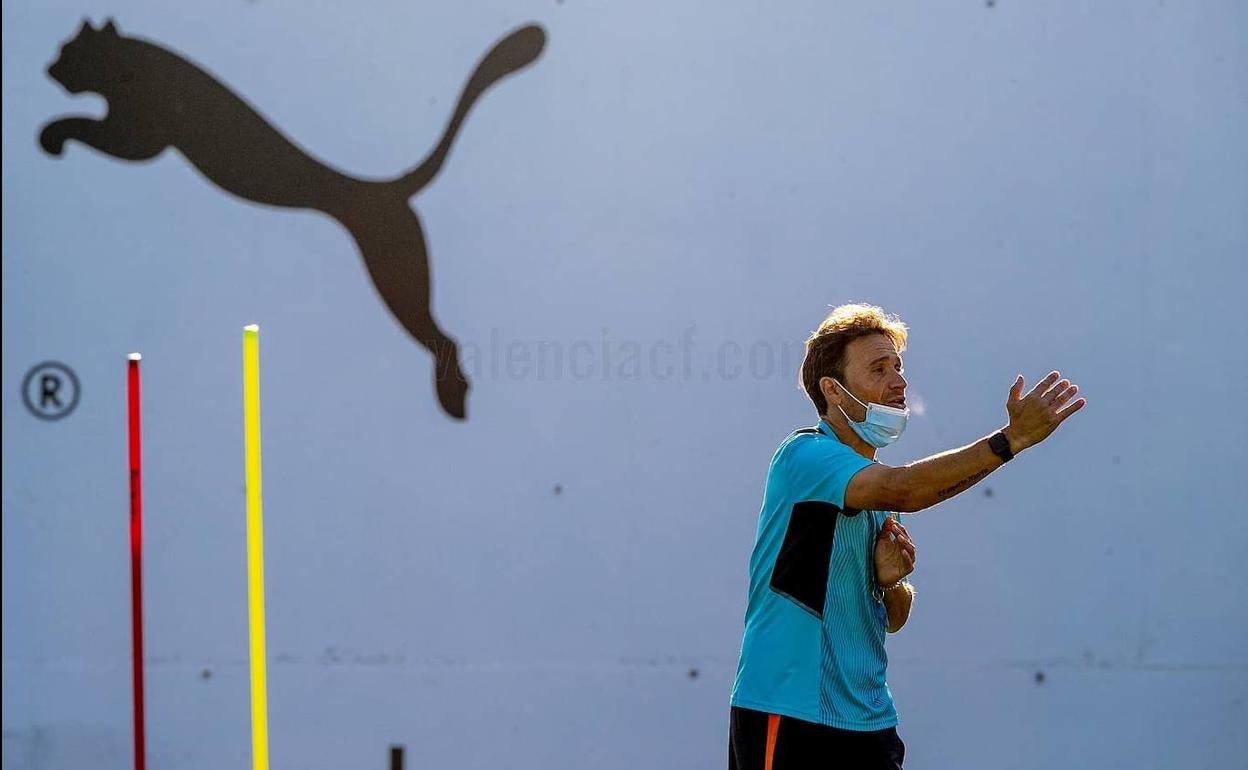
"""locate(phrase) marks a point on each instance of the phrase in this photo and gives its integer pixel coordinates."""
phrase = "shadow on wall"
(157, 99)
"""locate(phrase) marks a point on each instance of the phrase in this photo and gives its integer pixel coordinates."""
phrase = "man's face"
(873, 373)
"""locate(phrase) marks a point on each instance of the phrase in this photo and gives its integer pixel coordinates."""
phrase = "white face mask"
(883, 425)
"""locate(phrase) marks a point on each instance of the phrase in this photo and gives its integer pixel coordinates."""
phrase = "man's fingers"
(1016, 390)
(895, 534)
(895, 525)
(1052, 393)
(1066, 394)
(1045, 384)
(1071, 408)
(906, 544)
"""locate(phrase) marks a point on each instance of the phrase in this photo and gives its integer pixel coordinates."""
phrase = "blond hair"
(825, 348)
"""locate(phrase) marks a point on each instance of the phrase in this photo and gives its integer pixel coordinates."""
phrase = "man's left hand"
(894, 553)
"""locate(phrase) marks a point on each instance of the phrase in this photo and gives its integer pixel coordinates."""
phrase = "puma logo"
(157, 99)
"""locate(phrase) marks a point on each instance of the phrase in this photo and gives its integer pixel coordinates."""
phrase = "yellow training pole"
(255, 548)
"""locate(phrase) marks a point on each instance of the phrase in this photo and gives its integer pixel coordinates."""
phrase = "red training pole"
(136, 560)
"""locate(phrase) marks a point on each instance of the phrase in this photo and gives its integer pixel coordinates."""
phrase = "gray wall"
(1031, 186)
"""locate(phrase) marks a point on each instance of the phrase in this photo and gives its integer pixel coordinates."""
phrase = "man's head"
(859, 347)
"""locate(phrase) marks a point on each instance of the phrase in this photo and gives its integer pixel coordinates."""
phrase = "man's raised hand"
(1035, 416)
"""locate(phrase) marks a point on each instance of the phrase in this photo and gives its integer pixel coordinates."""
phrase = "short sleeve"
(820, 469)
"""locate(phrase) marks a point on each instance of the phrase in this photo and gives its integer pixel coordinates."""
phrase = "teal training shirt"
(814, 634)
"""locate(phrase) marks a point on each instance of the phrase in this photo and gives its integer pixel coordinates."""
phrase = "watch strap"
(1000, 446)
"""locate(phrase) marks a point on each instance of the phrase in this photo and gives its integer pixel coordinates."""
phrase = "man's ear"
(831, 393)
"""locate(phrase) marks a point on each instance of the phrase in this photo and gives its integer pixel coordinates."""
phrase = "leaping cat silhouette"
(157, 99)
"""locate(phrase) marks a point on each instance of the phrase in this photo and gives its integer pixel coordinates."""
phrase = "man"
(828, 571)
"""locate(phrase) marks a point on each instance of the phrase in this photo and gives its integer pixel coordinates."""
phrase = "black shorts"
(759, 741)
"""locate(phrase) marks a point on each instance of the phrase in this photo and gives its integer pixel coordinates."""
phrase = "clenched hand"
(894, 553)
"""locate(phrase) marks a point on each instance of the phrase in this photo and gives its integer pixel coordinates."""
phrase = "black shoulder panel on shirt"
(801, 570)
(805, 431)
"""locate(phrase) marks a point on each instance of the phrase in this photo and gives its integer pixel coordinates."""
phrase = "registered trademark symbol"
(50, 390)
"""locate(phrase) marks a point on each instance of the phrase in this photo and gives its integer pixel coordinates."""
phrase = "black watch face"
(1000, 444)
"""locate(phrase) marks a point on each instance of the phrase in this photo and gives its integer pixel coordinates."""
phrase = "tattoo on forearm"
(961, 485)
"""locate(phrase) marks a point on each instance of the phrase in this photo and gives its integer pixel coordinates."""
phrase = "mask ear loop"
(855, 398)
(842, 411)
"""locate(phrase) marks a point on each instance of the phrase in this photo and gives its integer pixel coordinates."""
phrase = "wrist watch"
(1000, 446)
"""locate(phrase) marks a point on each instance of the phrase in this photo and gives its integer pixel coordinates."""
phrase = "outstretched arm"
(922, 484)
